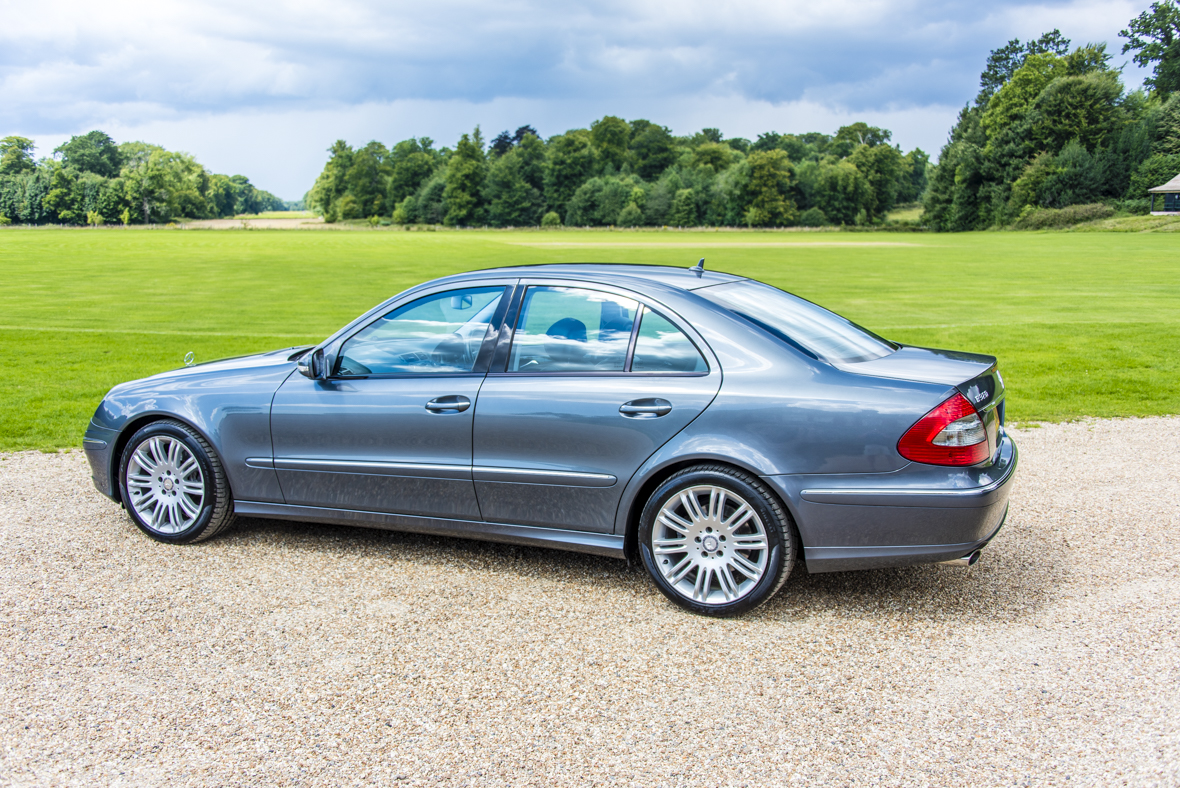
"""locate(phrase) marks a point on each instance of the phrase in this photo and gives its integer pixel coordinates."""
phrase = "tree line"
(1054, 126)
(92, 180)
(624, 173)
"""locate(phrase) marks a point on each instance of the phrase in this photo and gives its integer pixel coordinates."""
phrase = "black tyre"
(173, 484)
(716, 540)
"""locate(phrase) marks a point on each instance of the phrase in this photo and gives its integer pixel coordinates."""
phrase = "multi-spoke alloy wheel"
(173, 484)
(165, 484)
(716, 540)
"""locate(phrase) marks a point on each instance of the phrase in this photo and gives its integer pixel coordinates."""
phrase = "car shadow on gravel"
(1012, 580)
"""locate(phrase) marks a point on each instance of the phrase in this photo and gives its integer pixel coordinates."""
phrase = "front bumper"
(923, 515)
(99, 445)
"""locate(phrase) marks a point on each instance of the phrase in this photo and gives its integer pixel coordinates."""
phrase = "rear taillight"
(951, 434)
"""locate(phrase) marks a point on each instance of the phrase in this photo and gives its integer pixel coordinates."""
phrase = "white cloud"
(262, 89)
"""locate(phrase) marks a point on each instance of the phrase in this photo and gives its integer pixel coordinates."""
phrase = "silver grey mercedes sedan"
(712, 427)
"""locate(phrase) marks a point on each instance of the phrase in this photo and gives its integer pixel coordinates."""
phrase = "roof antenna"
(699, 268)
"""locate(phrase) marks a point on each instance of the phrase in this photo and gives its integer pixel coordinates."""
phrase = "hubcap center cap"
(710, 543)
(168, 484)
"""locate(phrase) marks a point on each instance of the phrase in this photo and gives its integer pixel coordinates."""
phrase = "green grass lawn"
(1084, 324)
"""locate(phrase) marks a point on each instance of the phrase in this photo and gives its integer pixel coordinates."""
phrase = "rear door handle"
(452, 403)
(646, 408)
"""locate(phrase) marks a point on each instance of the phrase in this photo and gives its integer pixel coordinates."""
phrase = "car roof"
(608, 273)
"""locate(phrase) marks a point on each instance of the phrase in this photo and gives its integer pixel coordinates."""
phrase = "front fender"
(230, 408)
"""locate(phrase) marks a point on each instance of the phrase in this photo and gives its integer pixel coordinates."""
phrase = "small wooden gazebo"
(1171, 193)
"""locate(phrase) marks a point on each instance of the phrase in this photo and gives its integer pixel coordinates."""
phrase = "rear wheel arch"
(662, 474)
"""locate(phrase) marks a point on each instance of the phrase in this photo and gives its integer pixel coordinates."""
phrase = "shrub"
(551, 220)
(4, 221)
(1057, 218)
(630, 216)
(813, 217)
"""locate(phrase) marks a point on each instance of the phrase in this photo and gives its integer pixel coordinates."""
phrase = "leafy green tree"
(466, 170)
(332, 184)
(883, 167)
(610, 137)
(93, 152)
(813, 217)
(569, 164)
(367, 178)
(914, 176)
(863, 134)
(551, 221)
(1155, 171)
(512, 200)
(16, 155)
(769, 189)
(1002, 63)
(713, 155)
(60, 202)
(630, 216)
(1154, 37)
(842, 192)
(409, 174)
(684, 209)
(1167, 127)
(652, 149)
(1082, 108)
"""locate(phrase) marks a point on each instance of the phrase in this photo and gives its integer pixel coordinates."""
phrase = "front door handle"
(646, 408)
(452, 403)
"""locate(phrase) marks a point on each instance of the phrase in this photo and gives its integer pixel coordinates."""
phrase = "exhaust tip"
(968, 560)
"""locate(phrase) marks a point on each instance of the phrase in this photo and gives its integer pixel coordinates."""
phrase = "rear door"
(587, 385)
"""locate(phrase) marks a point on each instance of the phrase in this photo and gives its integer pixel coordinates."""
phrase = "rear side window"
(662, 347)
(567, 329)
(798, 322)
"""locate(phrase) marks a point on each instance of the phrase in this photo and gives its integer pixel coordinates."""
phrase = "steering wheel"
(414, 358)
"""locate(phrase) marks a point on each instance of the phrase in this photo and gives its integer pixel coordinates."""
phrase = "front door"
(390, 429)
(587, 395)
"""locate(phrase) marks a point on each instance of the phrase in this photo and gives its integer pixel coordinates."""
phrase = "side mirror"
(311, 364)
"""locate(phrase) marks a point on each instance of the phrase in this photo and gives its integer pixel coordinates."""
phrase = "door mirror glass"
(566, 329)
(436, 334)
(662, 347)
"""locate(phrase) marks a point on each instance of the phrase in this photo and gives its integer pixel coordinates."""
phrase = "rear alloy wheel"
(173, 484)
(716, 540)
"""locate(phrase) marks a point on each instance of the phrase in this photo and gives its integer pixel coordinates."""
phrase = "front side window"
(798, 322)
(436, 334)
(566, 329)
(662, 347)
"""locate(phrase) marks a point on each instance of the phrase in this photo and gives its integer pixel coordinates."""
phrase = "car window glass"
(436, 334)
(799, 322)
(662, 347)
(564, 329)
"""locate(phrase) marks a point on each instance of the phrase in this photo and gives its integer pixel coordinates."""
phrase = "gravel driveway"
(288, 654)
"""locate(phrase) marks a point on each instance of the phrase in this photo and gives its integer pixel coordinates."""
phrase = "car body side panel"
(228, 402)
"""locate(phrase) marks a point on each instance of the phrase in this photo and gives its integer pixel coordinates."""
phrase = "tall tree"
(466, 170)
(769, 189)
(610, 137)
(1154, 37)
(570, 163)
(94, 152)
(16, 155)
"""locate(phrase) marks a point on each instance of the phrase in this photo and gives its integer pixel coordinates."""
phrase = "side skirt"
(576, 541)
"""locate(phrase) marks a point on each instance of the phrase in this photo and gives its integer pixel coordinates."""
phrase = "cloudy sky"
(264, 88)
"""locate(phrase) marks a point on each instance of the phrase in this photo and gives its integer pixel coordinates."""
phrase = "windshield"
(798, 322)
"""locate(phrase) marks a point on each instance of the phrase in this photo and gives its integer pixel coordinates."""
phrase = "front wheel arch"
(133, 426)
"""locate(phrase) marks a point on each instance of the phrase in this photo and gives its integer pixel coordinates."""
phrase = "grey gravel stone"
(291, 654)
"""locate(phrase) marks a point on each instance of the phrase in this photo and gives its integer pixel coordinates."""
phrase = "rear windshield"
(798, 322)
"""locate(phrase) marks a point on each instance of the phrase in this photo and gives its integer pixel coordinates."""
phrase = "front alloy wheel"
(173, 484)
(716, 541)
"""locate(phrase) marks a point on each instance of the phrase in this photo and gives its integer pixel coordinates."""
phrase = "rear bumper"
(921, 516)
